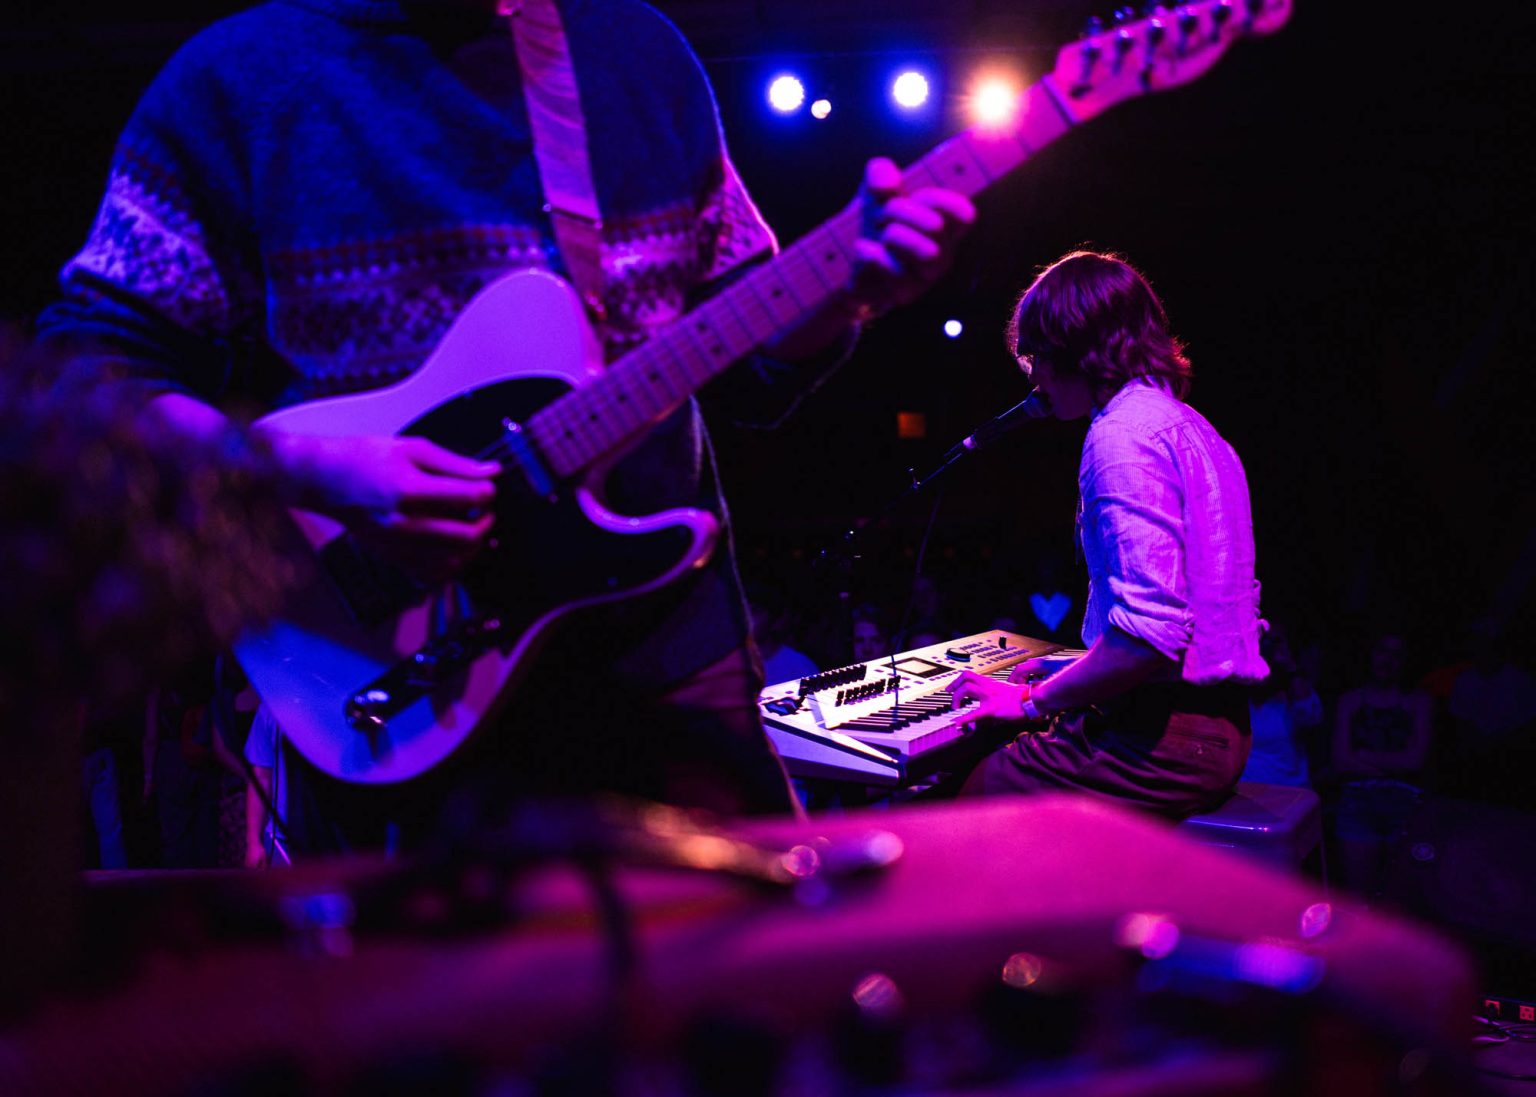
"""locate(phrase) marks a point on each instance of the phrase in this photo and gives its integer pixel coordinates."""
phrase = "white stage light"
(786, 94)
(910, 89)
(994, 102)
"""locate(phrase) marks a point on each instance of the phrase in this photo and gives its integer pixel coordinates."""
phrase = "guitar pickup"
(529, 463)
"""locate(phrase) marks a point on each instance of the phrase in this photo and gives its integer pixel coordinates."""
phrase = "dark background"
(1338, 218)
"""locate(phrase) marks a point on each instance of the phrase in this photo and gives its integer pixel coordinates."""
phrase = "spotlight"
(821, 108)
(953, 328)
(910, 89)
(994, 102)
(786, 94)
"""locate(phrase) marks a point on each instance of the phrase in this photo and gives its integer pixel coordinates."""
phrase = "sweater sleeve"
(156, 292)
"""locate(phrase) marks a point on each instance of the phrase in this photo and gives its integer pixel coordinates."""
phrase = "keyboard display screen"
(921, 668)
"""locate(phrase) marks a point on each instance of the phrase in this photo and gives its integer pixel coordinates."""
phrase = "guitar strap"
(560, 142)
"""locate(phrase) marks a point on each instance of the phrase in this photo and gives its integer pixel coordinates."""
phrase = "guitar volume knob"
(365, 711)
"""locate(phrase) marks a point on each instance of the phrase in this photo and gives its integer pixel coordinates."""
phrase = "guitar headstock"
(1167, 47)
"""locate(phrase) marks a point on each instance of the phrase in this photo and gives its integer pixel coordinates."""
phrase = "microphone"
(1033, 406)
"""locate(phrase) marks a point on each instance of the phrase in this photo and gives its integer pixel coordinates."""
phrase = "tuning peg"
(1125, 38)
(1088, 59)
(1124, 16)
(1091, 50)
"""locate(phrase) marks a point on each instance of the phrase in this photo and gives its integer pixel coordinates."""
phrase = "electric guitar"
(376, 679)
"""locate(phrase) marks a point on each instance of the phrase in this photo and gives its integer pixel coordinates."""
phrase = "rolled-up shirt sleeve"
(1133, 508)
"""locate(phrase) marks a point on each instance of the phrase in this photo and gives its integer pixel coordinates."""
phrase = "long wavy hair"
(1094, 313)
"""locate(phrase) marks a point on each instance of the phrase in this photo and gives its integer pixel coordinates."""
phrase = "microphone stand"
(846, 555)
(1031, 407)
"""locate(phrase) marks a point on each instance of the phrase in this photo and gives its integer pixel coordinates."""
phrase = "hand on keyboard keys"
(992, 699)
(1031, 670)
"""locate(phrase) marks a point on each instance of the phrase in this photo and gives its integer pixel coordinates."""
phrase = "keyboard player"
(1155, 714)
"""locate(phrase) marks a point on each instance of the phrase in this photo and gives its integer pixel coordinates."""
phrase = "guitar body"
(448, 657)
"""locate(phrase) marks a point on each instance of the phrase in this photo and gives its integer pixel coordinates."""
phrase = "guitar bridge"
(408, 681)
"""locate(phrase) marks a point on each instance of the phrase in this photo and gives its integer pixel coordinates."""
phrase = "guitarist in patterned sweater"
(303, 202)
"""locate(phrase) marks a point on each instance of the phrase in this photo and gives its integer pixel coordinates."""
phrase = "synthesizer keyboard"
(886, 722)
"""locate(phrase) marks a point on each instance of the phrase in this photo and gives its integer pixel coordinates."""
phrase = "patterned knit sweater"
(312, 190)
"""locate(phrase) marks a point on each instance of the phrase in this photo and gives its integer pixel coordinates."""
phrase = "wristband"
(1027, 706)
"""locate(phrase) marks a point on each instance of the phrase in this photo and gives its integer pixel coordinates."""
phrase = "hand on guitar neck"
(909, 240)
(906, 243)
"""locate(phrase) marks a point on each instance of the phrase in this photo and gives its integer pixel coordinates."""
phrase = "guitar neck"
(592, 422)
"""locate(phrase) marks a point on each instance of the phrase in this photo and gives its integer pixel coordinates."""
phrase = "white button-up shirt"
(1167, 535)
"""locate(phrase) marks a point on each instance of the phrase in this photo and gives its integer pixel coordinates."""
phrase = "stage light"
(994, 101)
(821, 108)
(786, 93)
(910, 89)
(953, 328)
